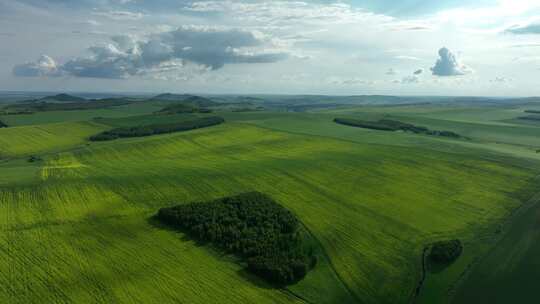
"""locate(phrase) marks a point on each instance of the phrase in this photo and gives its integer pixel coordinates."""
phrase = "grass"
(79, 231)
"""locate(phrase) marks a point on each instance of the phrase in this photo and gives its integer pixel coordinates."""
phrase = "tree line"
(531, 117)
(3, 125)
(252, 226)
(148, 130)
(394, 125)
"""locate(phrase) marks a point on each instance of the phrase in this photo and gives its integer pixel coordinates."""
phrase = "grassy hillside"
(78, 229)
(23, 141)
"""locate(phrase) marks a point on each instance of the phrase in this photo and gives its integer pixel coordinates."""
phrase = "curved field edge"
(344, 192)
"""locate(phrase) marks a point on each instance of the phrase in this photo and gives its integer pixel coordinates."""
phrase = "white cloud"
(402, 57)
(500, 80)
(349, 81)
(410, 79)
(391, 71)
(274, 12)
(119, 15)
(93, 22)
(449, 65)
(44, 66)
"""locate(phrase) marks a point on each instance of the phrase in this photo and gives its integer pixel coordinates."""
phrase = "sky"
(406, 47)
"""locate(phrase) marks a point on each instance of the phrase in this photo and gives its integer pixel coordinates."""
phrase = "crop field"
(76, 225)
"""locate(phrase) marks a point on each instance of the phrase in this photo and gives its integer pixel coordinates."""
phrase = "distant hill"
(192, 100)
(59, 98)
(63, 98)
(45, 105)
(169, 97)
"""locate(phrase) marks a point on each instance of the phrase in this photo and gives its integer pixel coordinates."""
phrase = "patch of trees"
(248, 109)
(533, 118)
(3, 125)
(34, 158)
(253, 227)
(532, 111)
(154, 129)
(183, 108)
(308, 107)
(445, 252)
(16, 112)
(394, 125)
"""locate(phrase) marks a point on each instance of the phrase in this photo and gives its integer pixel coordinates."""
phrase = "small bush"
(34, 158)
(446, 252)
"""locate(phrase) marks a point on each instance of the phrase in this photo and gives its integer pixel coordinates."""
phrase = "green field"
(76, 226)
(72, 116)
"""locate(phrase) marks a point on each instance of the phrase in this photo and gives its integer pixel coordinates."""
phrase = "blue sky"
(407, 47)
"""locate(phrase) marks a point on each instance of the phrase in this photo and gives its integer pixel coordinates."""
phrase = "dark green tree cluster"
(530, 117)
(394, 125)
(140, 131)
(252, 226)
(3, 125)
(375, 125)
(183, 108)
(34, 158)
(15, 112)
(445, 252)
(532, 111)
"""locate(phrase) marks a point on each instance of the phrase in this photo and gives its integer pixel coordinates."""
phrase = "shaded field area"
(511, 272)
(78, 229)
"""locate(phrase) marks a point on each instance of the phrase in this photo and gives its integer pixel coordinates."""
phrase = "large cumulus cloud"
(208, 48)
(449, 65)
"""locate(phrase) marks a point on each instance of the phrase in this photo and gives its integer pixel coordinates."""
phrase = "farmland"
(76, 225)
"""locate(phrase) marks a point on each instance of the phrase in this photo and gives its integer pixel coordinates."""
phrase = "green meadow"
(76, 225)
